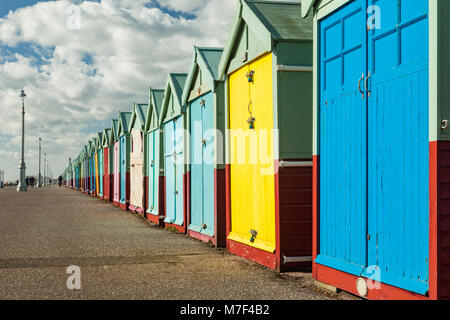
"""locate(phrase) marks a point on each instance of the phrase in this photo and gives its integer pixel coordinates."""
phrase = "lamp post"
(45, 169)
(21, 187)
(39, 177)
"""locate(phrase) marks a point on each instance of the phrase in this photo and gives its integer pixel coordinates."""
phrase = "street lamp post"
(21, 187)
(45, 169)
(39, 177)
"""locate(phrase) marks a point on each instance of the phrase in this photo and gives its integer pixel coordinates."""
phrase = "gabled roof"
(139, 116)
(93, 143)
(114, 131)
(89, 148)
(154, 108)
(106, 137)
(174, 90)
(271, 21)
(85, 151)
(124, 123)
(99, 140)
(207, 60)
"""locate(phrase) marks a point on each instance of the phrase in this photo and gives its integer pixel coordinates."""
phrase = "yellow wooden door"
(251, 155)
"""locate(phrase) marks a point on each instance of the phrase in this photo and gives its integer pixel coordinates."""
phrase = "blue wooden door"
(123, 169)
(202, 165)
(174, 169)
(153, 171)
(169, 169)
(179, 170)
(398, 153)
(100, 171)
(343, 134)
(91, 173)
(374, 150)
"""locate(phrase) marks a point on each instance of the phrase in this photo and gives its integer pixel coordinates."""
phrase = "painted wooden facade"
(106, 165)
(124, 159)
(91, 154)
(204, 95)
(116, 161)
(154, 157)
(380, 147)
(173, 123)
(267, 66)
(137, 163)
(99, 165)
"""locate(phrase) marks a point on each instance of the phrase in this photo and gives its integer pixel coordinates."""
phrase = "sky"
(81, 62)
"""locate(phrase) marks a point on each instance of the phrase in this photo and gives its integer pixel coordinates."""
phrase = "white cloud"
(120, 50)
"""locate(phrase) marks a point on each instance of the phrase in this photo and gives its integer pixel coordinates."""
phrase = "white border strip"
(295, 68)
(296, 164)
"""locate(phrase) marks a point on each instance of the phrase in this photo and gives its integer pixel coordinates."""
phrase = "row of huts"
(317, 136)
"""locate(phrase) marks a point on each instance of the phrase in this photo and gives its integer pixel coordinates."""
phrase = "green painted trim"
(121, 130)
(152, 111)
(114, 127)
(229, 46)
(198, 63)
(170, 92)
(219, 120)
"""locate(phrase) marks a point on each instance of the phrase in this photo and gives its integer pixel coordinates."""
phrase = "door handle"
(359, 85)
(366, 84)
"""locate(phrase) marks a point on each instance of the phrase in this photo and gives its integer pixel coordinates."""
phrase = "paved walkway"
(120, 256)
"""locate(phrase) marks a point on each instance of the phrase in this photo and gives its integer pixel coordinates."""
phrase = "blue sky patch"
(173, 13)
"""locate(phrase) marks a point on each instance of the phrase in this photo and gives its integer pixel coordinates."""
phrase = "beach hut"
(154, 156)
(89, 167)
(99, 165)
(267, 65)
(106, 164)
(83, 169)
(381, 151)
(93, 171)
(124, 158)
(137, 166)
(115, 143)
(77, 173)
(204, 95)
(173, 124)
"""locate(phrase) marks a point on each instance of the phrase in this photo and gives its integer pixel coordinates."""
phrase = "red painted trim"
(220, 234)
(433, 222)
(347, 282)
(277, 215)
(180, 229)
(264, 258)
(111, 187)
(116, 203)
(201, 237)
(127, 186)
(187, 200)
(315, 213)
(123, 206)
(162, 198)
(152, 218)
(145, 195)
(227, 202)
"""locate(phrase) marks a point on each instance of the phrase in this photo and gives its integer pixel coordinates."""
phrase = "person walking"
(60, 180)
